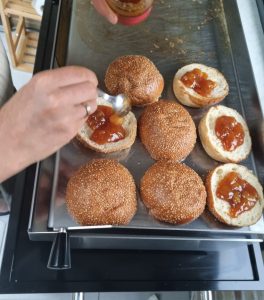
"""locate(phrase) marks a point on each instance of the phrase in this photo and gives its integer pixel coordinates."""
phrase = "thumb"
(103, 9)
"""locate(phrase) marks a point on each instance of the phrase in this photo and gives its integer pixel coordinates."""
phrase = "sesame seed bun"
(167, 131)
(101, 192)
(212, 144)
(173, 192)
(189, 97)
(220, 208)
(137, 77)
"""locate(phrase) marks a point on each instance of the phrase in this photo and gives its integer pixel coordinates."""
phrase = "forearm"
(9, 164)
(11, 159)
(43, 116)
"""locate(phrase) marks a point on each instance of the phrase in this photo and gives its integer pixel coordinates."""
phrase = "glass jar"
(131, 12)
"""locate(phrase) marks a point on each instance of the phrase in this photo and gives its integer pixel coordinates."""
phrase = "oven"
(46, 251)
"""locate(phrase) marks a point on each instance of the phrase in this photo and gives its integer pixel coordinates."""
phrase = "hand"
(103, 9)
(43, 116)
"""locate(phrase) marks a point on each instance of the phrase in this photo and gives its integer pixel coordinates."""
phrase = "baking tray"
(177, 33)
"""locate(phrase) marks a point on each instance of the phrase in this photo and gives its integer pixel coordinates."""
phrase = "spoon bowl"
(121, 103)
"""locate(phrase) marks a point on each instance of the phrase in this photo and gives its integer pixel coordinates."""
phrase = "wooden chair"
(22, 44)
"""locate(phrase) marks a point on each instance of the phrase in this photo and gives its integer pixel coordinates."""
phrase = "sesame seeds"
(137, 77)
(167, 131)
(101, 192)
(173, 192)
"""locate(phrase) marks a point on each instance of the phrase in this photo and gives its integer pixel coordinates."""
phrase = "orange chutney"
(230, 132)
(199, 82)
(240, 194)
(106, 125)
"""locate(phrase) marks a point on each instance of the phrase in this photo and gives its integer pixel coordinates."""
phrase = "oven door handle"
(60, 254)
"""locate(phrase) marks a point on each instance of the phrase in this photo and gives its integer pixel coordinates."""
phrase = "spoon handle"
(103, 94)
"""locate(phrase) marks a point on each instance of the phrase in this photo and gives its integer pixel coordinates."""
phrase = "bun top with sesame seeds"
(137, 77)
(167, 130)
(173, 192)
(101, 192)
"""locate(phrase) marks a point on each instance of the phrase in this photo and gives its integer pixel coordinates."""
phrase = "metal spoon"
(121, 103)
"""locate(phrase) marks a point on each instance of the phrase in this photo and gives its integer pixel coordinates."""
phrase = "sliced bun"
(190, 97)
(129, 124)
(212, 144)
(167, 131)
(220, 208)
(173, 192)
(137, 77)
(101, 192)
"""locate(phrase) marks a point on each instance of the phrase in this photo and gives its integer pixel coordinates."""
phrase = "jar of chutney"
(131, 12)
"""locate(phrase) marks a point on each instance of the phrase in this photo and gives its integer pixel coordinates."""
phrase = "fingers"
(91, 107)
(103, 9)
(64, 76)
(81, 112)
(74, 94)
(79, 97)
